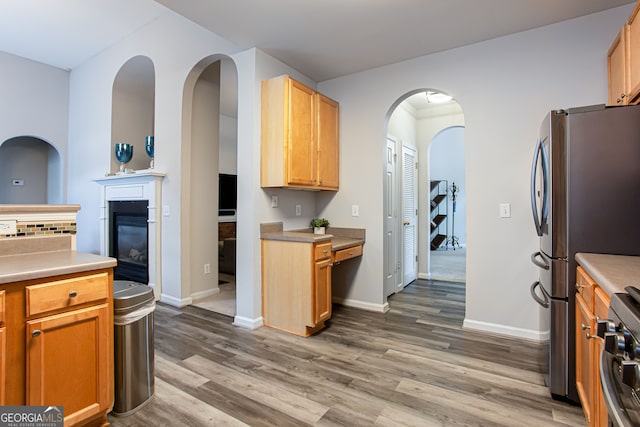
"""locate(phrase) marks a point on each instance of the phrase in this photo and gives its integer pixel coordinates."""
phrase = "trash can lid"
(128, 295)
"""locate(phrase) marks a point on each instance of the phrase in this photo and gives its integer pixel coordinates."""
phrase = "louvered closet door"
(409, 215)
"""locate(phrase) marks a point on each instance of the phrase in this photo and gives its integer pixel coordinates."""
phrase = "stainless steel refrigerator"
(585, 197)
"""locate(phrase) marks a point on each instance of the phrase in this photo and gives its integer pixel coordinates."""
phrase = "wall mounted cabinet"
(300, 137)
(623, 62)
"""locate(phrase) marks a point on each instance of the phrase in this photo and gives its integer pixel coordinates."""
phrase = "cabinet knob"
(326, 251)
(73, 294)
(585, 327)
(36, 333)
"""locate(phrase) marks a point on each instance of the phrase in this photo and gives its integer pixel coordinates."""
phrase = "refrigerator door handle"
(544, 300)
(535, 260)
(537, 219)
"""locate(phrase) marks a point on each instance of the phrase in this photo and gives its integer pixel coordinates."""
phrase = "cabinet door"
(618, 70)
(601, 311)
(68, 359)
(322, 291)
(3, 351)
(328, 140)
(301, 154)
(633, 54)
(3, 365)
(585, 375)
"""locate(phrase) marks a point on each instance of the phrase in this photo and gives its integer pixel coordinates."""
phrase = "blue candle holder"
(124, 152)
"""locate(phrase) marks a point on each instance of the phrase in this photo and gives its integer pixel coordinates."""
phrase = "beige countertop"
(611, 272)
(15, 268)
(340, 238)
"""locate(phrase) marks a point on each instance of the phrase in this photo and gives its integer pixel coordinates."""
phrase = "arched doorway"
(30, 172)
(414, 119)
(209, 170)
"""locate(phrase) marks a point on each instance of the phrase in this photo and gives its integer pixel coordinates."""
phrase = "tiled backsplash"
(41, 228)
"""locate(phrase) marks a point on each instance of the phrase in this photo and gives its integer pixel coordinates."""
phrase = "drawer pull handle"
(325, 251)
(73, 294)
(36, 333)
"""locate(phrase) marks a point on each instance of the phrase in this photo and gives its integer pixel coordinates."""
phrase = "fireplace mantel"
(142, 185)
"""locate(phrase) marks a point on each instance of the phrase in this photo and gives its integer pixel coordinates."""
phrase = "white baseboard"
(425, 276)
(247, 323)
(379, 308)
(494, 328)
(176, 302)
(203, 294)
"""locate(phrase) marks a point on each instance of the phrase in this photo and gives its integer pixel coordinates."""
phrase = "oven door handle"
(544, 300)
(534, 259)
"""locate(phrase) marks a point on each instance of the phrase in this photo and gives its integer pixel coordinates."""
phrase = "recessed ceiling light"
(438, 97)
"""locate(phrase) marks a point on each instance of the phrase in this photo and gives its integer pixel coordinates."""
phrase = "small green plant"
(319, 222)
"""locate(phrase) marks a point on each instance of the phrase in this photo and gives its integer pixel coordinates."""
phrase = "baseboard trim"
(425, 276)
(368, 306)
(504, 330)
(176, 302)
(203, 294)
(248, 323)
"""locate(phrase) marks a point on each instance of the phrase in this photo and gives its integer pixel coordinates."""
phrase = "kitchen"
(488, 79)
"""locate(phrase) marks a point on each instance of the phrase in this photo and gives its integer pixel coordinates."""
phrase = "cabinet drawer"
(2, 307)
(584, 286)
(347, 253)
(66, 293)
(322, 251)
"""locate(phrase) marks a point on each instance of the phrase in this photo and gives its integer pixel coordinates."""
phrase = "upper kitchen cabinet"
(300, 137)
(623, 62)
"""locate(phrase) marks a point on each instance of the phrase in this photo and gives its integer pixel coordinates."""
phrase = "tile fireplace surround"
(142, 185)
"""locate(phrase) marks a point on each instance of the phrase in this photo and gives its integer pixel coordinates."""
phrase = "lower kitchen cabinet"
(296, 285)
(3, 351)
(67, 362)
(592, 304)
(58, 342)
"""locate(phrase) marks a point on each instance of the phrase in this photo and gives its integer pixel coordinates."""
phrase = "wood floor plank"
(413, 366)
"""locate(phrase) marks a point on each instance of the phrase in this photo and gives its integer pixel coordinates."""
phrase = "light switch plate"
(8, 226)
(355, 210)
(505, 210)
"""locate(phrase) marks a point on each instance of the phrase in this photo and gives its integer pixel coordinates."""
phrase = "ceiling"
(323, 39)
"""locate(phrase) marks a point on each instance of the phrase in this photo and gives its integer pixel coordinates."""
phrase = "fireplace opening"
(129, 239)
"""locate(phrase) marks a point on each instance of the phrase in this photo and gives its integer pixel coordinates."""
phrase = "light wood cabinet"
(623, 63)
(59, 344)
(592, 304)
(300, 137)
(296, 285)
(3, 351)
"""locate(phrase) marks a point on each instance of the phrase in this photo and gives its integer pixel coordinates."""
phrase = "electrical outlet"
(8, 227)
(355, 210)
(274, 201)
(298, 210)
(207, 268)
(505, 210)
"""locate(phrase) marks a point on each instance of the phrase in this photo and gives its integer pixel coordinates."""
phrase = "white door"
(409, 215)
(391, 221)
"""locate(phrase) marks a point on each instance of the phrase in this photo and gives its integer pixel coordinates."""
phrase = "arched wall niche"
(133, 110)
(209, 147)
(30, 171)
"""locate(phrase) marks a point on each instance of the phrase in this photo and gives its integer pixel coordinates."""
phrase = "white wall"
(35, 103)
(505, 87)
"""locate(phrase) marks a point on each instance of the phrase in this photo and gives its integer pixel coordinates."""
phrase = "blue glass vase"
(148, 147)
(124, 152)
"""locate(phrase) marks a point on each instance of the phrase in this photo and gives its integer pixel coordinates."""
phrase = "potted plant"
(319, 225)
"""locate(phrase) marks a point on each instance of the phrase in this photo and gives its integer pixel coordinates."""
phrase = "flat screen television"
(227, 194)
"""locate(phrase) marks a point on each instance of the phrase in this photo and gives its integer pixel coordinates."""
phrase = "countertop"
(15, 268)
(611, 272)
(340, 238)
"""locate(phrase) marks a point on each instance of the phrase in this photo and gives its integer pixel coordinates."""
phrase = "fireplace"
(129, 239)
(145, 187)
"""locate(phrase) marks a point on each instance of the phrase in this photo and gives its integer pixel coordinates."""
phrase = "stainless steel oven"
(620, 359)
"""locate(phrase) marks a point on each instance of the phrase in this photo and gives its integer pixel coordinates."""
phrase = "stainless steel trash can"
(133, 307)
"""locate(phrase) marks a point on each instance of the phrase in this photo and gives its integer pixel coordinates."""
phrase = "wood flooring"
(413, 366)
